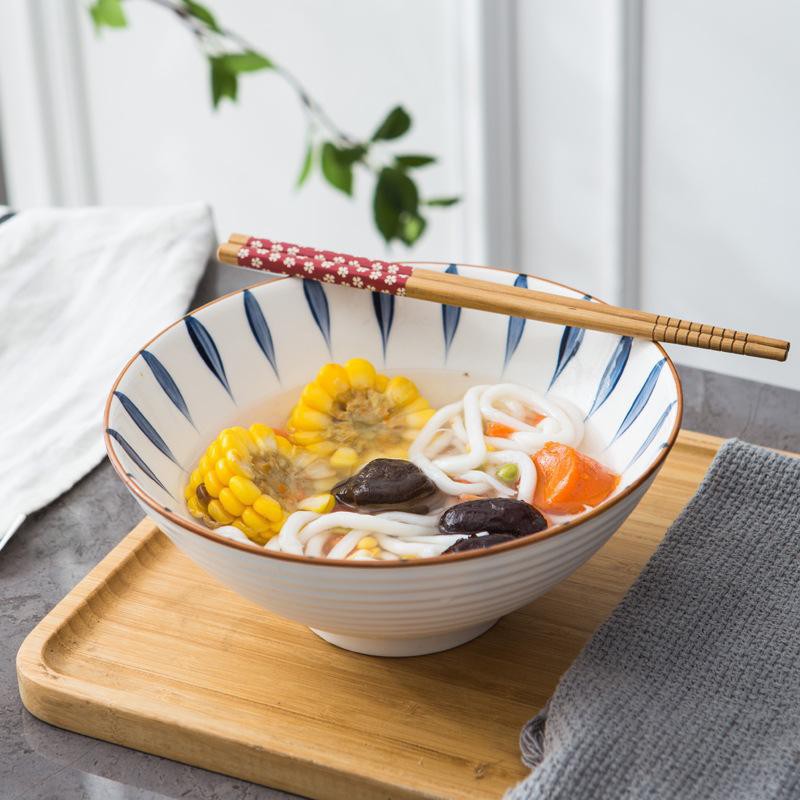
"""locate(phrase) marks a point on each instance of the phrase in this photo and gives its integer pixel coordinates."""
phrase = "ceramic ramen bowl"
(244, 358)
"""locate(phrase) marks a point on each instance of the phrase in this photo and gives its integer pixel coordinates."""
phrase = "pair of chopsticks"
(457, 290)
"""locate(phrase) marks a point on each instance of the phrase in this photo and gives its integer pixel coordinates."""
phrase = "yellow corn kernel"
(255, 521)
(223, 469)
(248, 532)
(307, 438)
(367, 543)
(418, 418)
(420, 404)
(195, 479)
(278, 524)
(284, 445)
(193, 504)
(401, 391)
(188, 491)
(262, 435)
(398, 451)
(360, 373)
(253, 536)
(381, 382)
(244, 489)
(231, 464)
(212, 483)
(214, 451)
(375, 551)
(333, 379)
(344, 457)
(230, 502)
(321, 503)
(217, 512)
(321, 448)
(231, 439)
(314, 396)
(307, 419)
(268, 508)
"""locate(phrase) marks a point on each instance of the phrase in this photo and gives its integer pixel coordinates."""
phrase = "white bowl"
(222, 364)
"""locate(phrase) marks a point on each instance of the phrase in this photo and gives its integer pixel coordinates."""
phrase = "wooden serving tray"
(150, 652)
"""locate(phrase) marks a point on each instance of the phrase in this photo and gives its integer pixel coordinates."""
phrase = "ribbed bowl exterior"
(230, 362)
(402, 602)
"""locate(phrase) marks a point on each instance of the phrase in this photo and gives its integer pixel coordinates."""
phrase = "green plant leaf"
(441, 201)
(336, 168)
(226, 68)
(108, 14)
(386, 216)
(413, 161)
(412, 226)
(248, 61)
(397, 122)
(395, 196)
(203, 14)
(350, 155)
(223, 82)
(308, 163)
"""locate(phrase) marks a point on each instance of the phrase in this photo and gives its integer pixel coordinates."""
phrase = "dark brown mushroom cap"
(385, 482)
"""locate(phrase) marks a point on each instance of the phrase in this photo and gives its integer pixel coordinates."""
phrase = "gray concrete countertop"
(57, 546)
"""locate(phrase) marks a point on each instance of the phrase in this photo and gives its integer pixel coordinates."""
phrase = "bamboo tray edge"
(150, 716)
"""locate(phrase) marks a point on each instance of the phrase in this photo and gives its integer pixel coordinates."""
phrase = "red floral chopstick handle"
(324, 265)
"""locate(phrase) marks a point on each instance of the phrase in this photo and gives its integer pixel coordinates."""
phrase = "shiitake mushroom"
(479, 542)
(493, 515)
(387, 483)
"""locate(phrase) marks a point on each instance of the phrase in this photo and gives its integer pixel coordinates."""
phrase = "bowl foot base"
(405, 647)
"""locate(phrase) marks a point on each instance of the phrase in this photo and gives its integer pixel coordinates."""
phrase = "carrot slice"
(533, 418)
(499, 430)
(464, 497)
(568, 481)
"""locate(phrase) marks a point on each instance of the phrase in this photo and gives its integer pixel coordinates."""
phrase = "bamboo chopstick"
(459, 290)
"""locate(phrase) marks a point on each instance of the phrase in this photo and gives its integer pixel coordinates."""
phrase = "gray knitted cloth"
(691, 689)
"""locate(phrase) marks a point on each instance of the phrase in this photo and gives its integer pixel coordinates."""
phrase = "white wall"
(645, 151)
(678, 195)
(155, 139)
(568, 95)
(721, 170)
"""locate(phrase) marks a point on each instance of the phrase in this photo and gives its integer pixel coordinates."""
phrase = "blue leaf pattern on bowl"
(640, 401)
(516, 326)
(612, 374)
(166, 382)
(204, 344)
(651, 436)
(136, 458)
(451, 316)
(318, 305)
(571, 341)
(145, 427)
(260, 328)
(383, 304)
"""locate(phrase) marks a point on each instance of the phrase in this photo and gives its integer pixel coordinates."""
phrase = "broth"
(368, 466)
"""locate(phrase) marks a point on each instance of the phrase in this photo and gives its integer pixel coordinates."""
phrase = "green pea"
(508, 473)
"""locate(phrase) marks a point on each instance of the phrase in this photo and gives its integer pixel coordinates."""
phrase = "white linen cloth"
(80, 291)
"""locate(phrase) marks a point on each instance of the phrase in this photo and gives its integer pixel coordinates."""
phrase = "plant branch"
(203, 33)
(397, 206)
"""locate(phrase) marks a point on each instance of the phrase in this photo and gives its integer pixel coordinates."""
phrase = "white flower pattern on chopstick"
(325, 266)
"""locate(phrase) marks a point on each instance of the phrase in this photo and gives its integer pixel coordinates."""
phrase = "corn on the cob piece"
(350, 414)
(253, 478)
